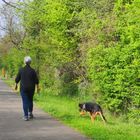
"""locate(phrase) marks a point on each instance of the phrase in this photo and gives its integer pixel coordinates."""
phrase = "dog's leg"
(102, 117)
(92, 119)
(93, 116)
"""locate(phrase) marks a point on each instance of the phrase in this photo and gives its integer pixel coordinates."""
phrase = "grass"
(66, 110)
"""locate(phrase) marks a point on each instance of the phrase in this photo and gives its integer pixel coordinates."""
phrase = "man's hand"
(38, 89)
(16, 87)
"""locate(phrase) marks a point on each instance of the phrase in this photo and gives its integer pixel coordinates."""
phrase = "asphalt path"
(43, 127)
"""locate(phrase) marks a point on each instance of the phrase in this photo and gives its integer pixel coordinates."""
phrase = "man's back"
(28, 78)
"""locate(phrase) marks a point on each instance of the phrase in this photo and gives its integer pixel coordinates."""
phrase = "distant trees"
(13, 34)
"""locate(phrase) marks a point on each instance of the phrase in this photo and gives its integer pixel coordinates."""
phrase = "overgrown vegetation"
(81, 48)
(66, 110)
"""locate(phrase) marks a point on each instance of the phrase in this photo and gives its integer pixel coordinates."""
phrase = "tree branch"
(11, 5)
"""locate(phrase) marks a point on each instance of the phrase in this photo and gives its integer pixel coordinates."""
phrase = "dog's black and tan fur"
(93, 109)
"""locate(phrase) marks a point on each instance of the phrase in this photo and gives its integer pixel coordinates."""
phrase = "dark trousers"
(27, 100)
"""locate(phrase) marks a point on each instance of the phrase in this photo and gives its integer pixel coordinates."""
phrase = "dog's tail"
(102, 116)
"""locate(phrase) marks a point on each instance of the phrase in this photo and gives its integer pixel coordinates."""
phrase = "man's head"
(27, 60)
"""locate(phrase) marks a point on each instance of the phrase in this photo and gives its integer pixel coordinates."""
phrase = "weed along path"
(43, 127)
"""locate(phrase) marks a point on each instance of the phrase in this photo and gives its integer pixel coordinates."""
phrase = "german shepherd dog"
(93, 109)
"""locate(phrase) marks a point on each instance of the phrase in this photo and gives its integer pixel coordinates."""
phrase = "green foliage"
(12, 61)
(84, 47)
(115, 70)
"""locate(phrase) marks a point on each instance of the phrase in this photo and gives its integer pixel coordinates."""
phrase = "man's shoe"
(31, 116)
(25, 118)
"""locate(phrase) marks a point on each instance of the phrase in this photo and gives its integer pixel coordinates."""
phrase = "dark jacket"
(28, 79)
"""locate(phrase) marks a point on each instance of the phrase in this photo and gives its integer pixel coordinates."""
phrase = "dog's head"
(82, 108)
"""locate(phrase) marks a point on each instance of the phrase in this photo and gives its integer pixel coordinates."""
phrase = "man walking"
(28, 79)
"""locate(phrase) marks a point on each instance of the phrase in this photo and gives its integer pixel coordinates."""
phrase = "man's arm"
(38, 88)
(36, 81)
(17, 79)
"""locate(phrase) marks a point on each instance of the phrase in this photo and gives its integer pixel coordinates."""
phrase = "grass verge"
(66, 109)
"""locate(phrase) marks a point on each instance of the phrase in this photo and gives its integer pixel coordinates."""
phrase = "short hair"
(27, 60)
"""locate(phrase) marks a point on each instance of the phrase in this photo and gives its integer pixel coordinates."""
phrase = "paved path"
(44, 127)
